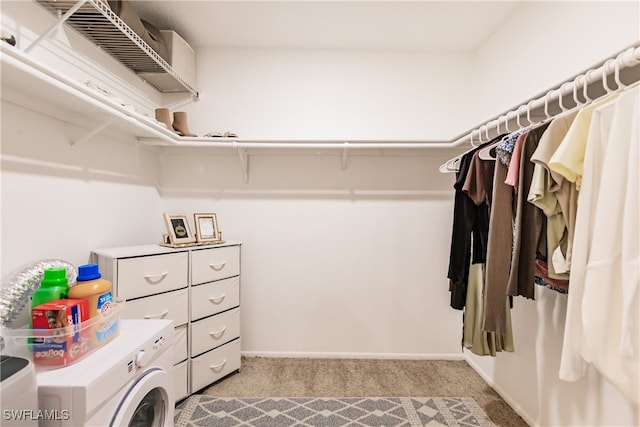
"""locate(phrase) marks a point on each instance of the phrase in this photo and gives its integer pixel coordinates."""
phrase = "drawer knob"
(157, 316)
(219, 366)
(218, 267)
(217, 300)
(218, 334)
(154, 279)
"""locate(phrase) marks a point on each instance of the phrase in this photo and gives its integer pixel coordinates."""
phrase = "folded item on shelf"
(227, 134)
(145, 30)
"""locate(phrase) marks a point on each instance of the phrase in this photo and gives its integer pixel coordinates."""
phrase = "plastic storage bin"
(21, 342)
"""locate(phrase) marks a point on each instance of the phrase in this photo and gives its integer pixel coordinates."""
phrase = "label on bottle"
(105, 308)
(105, 304)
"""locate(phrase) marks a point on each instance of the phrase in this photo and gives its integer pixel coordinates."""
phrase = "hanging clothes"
(551, 192)
(498, 252)
(470, 226)
(602, 311)
(478, 186)
(565, 214)
(529, 240)
(568, 161)
(475, 339)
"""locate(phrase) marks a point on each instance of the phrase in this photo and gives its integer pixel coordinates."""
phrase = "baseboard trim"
(340, 355)
(505, 396)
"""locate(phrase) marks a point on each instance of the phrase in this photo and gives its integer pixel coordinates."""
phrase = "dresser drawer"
(214, 297)
(214, 331)
(210, 367)
(180, 345)
(142, 276)
(172, 305)
(181, 380)
(208, 265)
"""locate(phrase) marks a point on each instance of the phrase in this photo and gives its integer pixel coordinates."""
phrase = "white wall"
(333, 261)
(546, 42)
(332, 94)
(61, 201)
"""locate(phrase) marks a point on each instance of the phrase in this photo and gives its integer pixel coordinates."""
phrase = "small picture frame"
(178, 228)
(206, 227)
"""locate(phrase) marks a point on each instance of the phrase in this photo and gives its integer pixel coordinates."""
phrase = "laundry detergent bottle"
(53, 285)
(91, 286)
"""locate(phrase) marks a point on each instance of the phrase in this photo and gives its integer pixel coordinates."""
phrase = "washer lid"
(10, 365)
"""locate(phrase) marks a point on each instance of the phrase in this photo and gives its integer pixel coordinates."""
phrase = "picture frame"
(178, 228)
(206, 227)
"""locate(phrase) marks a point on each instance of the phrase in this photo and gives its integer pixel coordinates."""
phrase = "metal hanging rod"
(625, 59)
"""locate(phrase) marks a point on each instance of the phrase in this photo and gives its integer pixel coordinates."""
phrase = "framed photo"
(178, 228)
(206, 227)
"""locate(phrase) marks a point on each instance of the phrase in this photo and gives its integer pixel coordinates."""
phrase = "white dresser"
(199, 288)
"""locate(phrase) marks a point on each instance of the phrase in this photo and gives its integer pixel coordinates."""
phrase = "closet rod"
(313, 144)
(625, 59)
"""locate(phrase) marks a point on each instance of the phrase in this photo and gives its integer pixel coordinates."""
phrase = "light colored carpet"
(201, 410)
(300, 377)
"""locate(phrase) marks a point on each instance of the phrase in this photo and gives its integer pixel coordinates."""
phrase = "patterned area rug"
(201, 410)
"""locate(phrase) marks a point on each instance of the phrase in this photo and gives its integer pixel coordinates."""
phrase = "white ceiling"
(429, 25)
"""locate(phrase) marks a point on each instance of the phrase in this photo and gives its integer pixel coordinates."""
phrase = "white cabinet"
(198, 288)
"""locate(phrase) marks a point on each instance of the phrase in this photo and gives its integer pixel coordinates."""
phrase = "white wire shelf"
(96, 21)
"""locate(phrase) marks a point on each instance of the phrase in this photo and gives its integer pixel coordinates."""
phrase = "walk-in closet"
(346, 152)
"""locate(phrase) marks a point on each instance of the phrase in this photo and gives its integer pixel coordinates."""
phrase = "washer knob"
(141, 359)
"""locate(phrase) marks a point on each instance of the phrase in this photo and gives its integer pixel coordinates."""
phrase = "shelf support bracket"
(244, 162)
(92, 133)
(345, 155)
(61, 20)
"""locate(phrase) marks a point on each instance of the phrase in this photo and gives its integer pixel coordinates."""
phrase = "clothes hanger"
(546, 104)
(576, 99)
(506, 123)
(531, 122)
(479, 139)
(485, 153)
(453, 165)
(585, 90)
(605, 83)
(575, 91)
(560, 97)
(621, 60)
(520, 125)
(526, 110)
(616, 76)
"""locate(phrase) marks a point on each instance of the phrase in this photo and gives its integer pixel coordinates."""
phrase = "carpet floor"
(302, 377)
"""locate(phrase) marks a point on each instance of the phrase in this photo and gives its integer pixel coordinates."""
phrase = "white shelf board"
(32, 85)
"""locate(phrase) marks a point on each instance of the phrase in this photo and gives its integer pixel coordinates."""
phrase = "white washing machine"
(127, 382)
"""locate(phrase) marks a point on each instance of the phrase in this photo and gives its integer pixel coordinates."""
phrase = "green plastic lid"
(55, 277)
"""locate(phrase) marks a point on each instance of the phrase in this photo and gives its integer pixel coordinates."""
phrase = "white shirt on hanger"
(602, 312)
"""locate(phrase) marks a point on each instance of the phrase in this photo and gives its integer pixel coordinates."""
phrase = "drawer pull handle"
(217, 300)
(218, 267)
(157, 316)
(154, 279)
(219, 366)
(218, 334)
